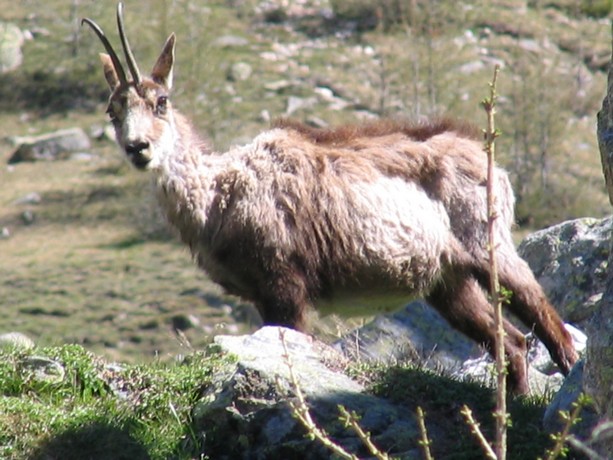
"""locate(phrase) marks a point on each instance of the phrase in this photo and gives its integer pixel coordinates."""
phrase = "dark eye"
(161, 105)
(112, 115)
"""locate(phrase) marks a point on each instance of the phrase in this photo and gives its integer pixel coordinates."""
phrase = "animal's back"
(363, 214)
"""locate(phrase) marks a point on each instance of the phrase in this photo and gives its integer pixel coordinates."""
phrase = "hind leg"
(530, 304)
(463, 303)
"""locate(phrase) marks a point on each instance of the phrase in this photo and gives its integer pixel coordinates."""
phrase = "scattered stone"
(5, 233)
(51, 146)
(316, 122)
(264, 116)
(39, 32)
(42, 370)
(471, 67)
(325, 93)
(104, 132)
(228, 328)
(30, 198)
(240, 71)
(328, 95)
(278, 86)
(11, 41)
(230, 41)
(531, 45)
(16, 340)
(82, 156)
(295, 103)
(365, 115)
(28, 217)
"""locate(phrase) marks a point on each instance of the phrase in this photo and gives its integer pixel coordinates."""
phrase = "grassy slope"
(97, 268)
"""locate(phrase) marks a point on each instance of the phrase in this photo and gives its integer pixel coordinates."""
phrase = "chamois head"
(139, 108)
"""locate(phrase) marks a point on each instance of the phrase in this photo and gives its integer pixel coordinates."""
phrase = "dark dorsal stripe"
(418, 131)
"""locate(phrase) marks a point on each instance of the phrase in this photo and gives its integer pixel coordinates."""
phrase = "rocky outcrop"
(598, 375)
(415, 331)
(418, 333)
(250, 405)
(57, 145)
(598, 379)
(605, 135)
(570, 261)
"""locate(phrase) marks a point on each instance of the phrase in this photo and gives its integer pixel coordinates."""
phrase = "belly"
(350, 303)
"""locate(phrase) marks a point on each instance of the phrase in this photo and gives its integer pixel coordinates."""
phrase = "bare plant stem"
(424, 442)
(570, 419)
(490, 135)
(474, 426)
(301, 411)
(351, 419)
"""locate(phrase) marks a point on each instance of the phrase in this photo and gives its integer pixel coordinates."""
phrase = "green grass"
(442, 397)
(102, 412)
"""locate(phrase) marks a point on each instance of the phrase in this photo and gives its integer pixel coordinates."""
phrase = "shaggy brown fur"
(358, 218)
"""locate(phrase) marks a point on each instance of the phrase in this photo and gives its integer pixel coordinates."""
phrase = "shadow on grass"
(442, 398)
(48, 93)
(94, 441)
(126, 243)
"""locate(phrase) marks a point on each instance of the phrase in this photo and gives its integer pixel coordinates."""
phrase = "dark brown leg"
(529, 303)
(462, 301)
(286, 301)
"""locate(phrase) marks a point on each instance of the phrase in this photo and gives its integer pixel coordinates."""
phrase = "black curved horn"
(126, 46)
(121, 74)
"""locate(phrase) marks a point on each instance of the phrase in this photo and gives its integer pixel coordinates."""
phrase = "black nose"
(134, 148)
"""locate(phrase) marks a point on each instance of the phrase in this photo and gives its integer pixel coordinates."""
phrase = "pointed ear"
(109, 71)
(162, 70)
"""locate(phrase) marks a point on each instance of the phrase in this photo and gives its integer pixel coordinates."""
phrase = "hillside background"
(84, 257)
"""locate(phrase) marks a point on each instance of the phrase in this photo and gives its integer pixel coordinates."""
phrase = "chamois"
(359, 218)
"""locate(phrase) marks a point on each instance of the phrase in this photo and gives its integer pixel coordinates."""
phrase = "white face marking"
(146, 137)
(163, 145)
